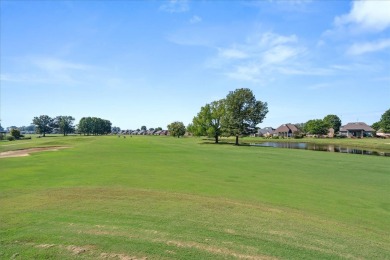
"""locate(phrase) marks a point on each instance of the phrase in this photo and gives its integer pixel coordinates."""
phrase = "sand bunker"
(26, 152)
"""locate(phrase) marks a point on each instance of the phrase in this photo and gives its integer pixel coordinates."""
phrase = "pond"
(321, 147)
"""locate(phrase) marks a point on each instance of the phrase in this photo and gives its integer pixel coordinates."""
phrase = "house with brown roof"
(357, 129)
(286, 130)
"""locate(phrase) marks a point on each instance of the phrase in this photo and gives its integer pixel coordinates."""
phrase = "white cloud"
(248, 72)
(195, 19)
(279, 54)
(259, 56)
(305, 70)
(367, 15)
(53, 64)
(175, 6)
(362, 48)
(232, 53)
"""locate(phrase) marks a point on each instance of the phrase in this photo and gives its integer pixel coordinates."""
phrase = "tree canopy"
(65, 124)
(94, 126)
(208, 121)
(243, 112)
(44, 124)
(333, 121)
(177, 129)
(316, 127)
(384, 123)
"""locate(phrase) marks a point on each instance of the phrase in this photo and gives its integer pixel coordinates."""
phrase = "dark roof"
(286, 128)
(266, 130)
(356, 126)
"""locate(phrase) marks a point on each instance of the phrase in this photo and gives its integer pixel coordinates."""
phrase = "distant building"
(357, 129)
(266, 131)
(286, 130)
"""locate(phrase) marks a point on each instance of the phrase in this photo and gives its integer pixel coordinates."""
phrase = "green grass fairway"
(169, 198)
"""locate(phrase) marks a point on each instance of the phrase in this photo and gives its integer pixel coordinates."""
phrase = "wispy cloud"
(195, 19)
(175, 6)
(232, 53)
(258, 56)
(320, 86)
(54, 64)
(48, 70)
(366, 47)
(367, 15)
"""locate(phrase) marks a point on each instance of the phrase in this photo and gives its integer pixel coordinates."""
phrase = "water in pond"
(321, 147)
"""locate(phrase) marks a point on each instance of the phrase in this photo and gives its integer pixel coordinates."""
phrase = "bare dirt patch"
(45, 245)
(218, 250)
(120, 256)
(26, 152)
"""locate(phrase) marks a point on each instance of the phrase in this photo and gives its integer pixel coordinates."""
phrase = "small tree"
(177, 129)
(209, 120)
(143, 128)
(115, 129)
(15, 133)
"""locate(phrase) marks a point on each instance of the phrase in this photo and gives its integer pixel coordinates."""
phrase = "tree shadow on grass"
(223, 143)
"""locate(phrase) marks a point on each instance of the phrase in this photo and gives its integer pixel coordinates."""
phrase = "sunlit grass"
(170, 198)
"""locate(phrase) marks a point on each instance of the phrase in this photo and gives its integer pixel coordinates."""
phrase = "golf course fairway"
(153, 197)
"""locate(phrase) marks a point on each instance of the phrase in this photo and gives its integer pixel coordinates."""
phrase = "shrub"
(15, 133)
(10, 138)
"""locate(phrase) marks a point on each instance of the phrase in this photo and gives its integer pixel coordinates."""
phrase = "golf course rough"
(151, 197)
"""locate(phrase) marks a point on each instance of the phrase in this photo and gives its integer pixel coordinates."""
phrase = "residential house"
(357, 129)
(286, 130)
(266, 131)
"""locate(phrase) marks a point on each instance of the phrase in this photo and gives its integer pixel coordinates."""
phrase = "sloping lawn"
(169, 198)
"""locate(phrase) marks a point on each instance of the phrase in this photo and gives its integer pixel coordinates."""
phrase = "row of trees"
(237, 115)
(45, 124)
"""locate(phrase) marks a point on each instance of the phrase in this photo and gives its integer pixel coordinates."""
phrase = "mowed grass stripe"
(180, 198)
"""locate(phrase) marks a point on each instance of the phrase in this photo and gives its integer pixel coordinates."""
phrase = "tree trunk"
(236, 139)
(216, 139)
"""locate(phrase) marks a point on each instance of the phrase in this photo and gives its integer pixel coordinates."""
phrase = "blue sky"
(154, 62)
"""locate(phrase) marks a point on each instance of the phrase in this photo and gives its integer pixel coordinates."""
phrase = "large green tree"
(243, 113)
(385, 122)
(333, 121)
(208, 121)
(94, 126)
(177, 129)
(65, 124)
(43, 124)
(316, 127)
(376, 126)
